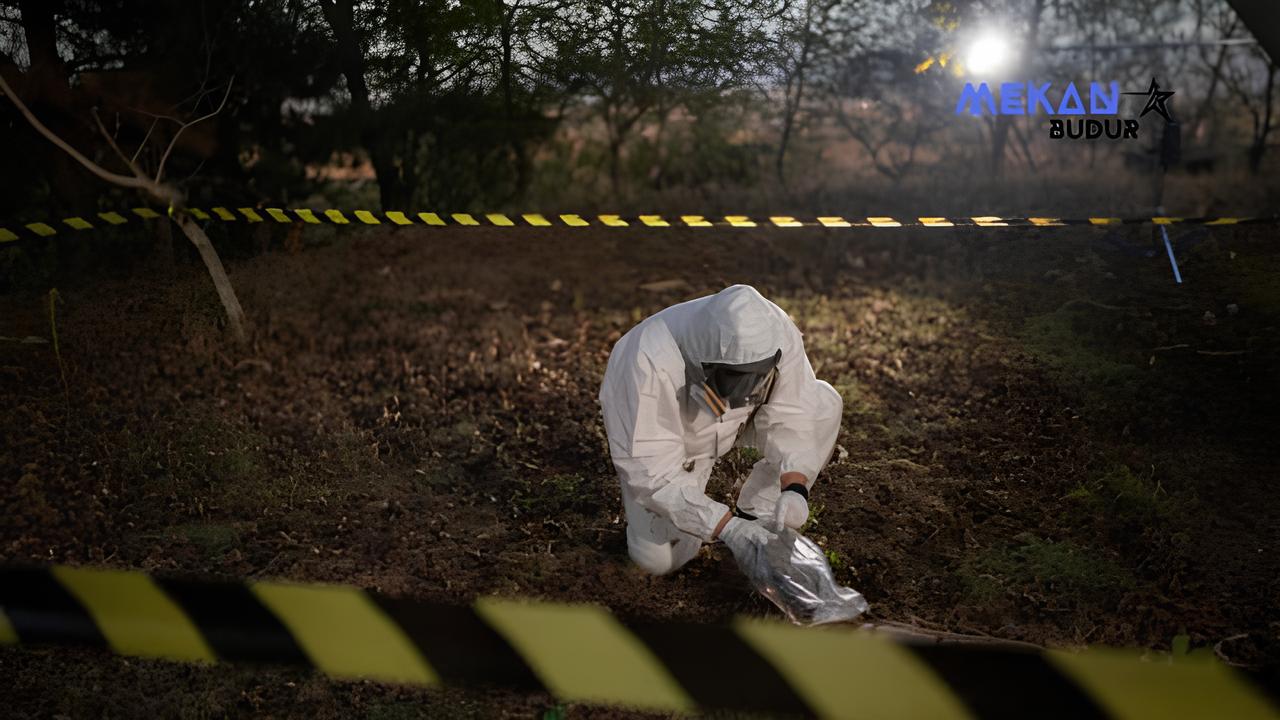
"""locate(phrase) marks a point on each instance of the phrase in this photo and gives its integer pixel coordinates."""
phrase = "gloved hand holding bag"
(792, 572)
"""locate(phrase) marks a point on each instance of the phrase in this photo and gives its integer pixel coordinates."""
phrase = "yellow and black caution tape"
(430, 219)
(583, 653)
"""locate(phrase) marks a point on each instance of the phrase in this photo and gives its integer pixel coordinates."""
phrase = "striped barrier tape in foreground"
(582, 653)
(430, 219)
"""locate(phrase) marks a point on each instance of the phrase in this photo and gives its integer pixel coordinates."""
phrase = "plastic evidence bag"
(791, 570)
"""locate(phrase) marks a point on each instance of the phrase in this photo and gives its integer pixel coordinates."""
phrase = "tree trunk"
(1202, 113)
(791, 106)
(659, 168)
(226, 293)
(45, 84)
(999, 139)
(514, 141)
(39, 28)
(1259, 147)
(391, 190)
(615, 159)
(1026, 149)
(1000, 132)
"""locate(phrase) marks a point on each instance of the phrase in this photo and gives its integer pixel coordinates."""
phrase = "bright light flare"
(987, 54)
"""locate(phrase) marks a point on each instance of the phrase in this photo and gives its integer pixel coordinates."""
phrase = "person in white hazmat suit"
(682, 388)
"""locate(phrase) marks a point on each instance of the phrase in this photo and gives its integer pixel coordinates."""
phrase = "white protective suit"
(664, 438)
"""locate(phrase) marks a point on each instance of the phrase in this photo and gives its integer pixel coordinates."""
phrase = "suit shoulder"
(646, 350)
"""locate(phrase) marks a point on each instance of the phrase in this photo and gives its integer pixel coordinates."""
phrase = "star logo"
(1156, 99)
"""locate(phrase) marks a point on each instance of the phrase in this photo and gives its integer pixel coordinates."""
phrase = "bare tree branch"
(164, 158)
(161, 192)
(157, 116)
(142, 145)
(158, 190)
(208, 66)
(137, 172)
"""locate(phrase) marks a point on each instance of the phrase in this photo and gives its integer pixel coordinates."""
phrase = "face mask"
(728, 386)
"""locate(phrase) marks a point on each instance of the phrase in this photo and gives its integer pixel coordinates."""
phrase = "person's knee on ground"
(660, 558)
(830, 418)
(834, 404)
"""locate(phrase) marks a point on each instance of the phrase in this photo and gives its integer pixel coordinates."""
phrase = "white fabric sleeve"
(795, 435)
(646, 440)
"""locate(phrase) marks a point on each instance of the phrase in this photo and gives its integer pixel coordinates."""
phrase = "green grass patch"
(816, 511)
(1080, 494)
(857, 404)
(1058, 569)
(549, 496)
(834, 559)
(215, 460)
(1079, 346)
(1120, 494)
(204, 450)
(1095, 353)
(1255, 281)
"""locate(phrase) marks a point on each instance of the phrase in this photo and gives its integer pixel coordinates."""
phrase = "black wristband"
(799, 489)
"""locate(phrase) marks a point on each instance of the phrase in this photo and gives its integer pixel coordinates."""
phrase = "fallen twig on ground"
(915, 633)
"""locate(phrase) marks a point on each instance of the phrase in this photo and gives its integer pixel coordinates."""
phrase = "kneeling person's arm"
(646, 442)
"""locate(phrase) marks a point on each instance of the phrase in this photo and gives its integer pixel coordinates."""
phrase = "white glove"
(742, 536)
(792, 511)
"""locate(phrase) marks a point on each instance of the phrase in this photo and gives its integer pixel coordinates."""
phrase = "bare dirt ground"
(1045, 439)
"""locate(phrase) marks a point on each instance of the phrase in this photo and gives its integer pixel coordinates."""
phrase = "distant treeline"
(493, 103)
